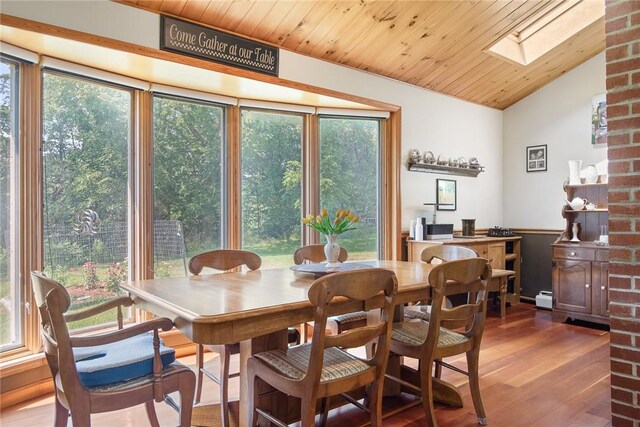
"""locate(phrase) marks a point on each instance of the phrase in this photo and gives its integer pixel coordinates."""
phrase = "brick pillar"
(623, 109)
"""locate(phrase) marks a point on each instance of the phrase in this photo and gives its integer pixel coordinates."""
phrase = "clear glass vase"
(332, 250)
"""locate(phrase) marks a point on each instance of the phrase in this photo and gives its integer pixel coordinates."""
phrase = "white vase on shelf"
(574, 172)
(574, 231)
(590, 174)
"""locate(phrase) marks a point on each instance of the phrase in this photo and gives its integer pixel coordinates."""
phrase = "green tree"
(6, 112)
(349, 165)
(349, 150)
(85, 149)
(187, 169)
(271, 152)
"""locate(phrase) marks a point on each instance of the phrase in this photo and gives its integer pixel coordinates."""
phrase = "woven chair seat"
(294, 361)
(422, 312)
(415, 333)
(349, 317)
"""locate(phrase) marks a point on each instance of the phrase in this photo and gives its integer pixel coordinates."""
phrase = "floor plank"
(533, 372)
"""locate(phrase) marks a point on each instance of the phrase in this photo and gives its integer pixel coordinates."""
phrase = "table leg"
(443, 391)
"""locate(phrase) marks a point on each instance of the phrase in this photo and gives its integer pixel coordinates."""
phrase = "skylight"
(544, 30)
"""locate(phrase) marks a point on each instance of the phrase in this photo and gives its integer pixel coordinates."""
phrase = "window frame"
(224, 185)
(263, 108)
(132, 142)
(380, 212)
(140, 200)
(19, 322)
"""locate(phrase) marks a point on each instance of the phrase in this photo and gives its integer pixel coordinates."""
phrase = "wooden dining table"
(256, 307)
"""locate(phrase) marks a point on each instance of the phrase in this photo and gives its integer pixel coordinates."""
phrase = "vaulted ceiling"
(438, 45)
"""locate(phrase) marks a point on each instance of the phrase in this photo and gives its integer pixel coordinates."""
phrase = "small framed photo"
(446, 199)
(536, 158)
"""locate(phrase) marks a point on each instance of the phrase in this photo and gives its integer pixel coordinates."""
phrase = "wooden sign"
(217, 46)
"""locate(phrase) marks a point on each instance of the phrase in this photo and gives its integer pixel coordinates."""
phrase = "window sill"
(23, 360)
(21, 363)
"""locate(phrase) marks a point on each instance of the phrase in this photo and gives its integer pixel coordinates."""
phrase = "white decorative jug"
(332, 251)
(574, 172)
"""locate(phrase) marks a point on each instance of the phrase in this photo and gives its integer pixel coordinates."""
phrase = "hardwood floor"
(532, 373)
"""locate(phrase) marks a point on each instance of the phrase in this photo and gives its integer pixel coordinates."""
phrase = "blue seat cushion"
(119, 361)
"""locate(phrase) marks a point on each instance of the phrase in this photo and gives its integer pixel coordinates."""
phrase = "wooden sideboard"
(502, 252)
(580, 269)
(580, 282)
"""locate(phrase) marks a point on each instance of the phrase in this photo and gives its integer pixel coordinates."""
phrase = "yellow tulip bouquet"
(343, 221)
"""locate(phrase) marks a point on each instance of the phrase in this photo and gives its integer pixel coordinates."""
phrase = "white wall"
(558, 115)
(430, 121)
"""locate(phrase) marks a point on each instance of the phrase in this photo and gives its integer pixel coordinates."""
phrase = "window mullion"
(31, 196)
(310, 176)
(141, 173)
(233, 179)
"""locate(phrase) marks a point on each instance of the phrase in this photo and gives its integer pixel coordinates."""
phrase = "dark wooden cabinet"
(580, 280)
(580, 270)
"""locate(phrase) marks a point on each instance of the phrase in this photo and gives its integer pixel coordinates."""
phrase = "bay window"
(207, 173)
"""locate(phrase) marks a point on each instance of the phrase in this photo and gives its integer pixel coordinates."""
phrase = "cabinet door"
(601, 288)
(496, 254)
(572, 285)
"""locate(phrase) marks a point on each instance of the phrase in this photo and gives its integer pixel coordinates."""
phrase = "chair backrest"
(53, 301)
(224, 259)
(467, 276)
(315, 253)
(445, 253)
(360, 287)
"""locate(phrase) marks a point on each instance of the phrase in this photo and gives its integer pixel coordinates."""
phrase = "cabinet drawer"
(575, 253)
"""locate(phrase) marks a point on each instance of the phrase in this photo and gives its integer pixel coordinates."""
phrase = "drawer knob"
(603, 287)
(587, 286)
(572, 253)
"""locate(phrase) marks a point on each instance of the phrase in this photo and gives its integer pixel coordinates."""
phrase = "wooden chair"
(320, 369)
(315, 253)
(431, 341)
(102, 373)
(437, 254)
(343, 322)
(223, 260)
(445, 253)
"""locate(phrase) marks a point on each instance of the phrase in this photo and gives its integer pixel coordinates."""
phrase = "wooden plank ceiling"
(438, 45)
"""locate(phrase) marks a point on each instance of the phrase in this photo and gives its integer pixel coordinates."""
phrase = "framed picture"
(599, 119)
(536, 158)
(446, 195)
